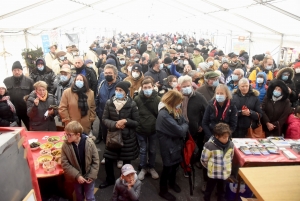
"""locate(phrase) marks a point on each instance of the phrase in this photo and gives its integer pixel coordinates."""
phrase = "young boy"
(80, 161)
(128, 186)
(216, 157)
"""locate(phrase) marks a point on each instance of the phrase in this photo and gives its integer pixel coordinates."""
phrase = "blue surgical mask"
(63, 78)
(119, 95)
(161, 66)
(215, 83)
(186, 90)
(148, 92)
(276, 93)
(269, 67)
(198, 69)
(94, 48)
(122, 62)
(284, 77)
(235, 77)
(41, 68)
(169, 66)
(79, 84)
(210, 63)
(220, 98)
(260, 80)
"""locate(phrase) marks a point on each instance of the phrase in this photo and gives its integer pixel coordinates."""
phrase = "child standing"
(293, 122)
(80, 161)
(128, 186)
(216, 157)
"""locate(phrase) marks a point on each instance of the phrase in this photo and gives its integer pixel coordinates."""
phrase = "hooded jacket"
(261, 88)
(61, 87)
(7, 116)
(152, 54)
(197, 59)
(91, 78)
(112, 56)
(275, 112)
(121, 192)
(135, 84)
(207, 91)
(235, 65)
(47, 75)
(293, 129)
(253, 74)
(297, 83)
(226, 73)
(157, 76)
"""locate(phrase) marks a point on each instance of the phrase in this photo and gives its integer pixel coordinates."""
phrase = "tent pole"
(4, 55)
(26, 39)
(250, 40)
(280, 46)
(230, 41)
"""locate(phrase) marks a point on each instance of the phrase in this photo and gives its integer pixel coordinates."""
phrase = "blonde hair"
(74, 127)
(184, 78)
(171, 99)
(40, 84)
(224, 88)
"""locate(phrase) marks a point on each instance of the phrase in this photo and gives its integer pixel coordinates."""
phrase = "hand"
(290, 91)
(81, 180)
(50, 112)
(36, 101)
(270, 126)
(157, 84)
(130, 185)
(200, 129)
(246, 112)
(88, 180)
(175, 62)
(121, 124)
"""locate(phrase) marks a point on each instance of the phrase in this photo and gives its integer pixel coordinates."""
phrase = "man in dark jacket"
(157, 74)
(147, 101)
(19, 86)
(234, 63)
(211, 82)
(43, 73)
(87, 72)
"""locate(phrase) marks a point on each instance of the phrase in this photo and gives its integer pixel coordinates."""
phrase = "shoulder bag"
(256, 132)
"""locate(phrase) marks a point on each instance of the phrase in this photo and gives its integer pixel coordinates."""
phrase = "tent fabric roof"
(252, 16)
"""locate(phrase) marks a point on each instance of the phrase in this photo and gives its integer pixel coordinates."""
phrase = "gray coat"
(157, 76)
(121, 191)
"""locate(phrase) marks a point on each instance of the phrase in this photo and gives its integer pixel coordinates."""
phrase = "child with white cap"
(127, 187)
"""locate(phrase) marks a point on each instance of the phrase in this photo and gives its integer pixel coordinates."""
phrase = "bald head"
(78, 62)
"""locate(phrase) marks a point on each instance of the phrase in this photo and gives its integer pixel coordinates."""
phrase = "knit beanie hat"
(120, 51)
(124, 85)
(137, 67)
(111, 61)
(204, 66)
(17, 65)
(2, 85)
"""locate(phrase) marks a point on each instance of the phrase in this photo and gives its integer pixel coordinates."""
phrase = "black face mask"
(109, 78)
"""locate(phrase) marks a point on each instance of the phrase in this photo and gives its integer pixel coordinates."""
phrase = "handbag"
(114, 139)
(256, 132)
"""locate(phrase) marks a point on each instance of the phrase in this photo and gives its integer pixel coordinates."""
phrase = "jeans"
(168, 174)
(147, 146)
(109, 169)
(84, 190)
(211, 183)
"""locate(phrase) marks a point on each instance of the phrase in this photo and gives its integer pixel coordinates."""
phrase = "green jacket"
(147, 120)
(197, 60)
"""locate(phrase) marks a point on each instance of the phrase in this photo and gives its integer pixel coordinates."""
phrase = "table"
(40, 173)
(273, 183)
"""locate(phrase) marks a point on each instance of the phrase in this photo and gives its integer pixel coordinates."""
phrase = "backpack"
(190, 153)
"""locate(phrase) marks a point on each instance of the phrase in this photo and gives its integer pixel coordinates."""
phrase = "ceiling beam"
(15, 12)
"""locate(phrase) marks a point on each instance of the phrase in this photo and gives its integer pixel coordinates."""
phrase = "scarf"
(43, 98)
(82, 99)
(119, 103)
(226, 108)
(10, 104)
(220, 144)
(185, 105)
(276, 98)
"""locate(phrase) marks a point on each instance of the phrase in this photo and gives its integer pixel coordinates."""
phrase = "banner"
(46, 43)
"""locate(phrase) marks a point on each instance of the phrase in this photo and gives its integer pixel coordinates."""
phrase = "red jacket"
(293, 130)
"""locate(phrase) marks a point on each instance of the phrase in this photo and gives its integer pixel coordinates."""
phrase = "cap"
(65, 69)
(224, 60)
(210, 74)
(204, 66)
(88, 61)
(127, 169)
(2, 85)
(221, 53)
(232, 54)
(171, 51)
(197, 49)
(137, 67)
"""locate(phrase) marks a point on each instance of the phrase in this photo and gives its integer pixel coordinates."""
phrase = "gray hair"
(145, 55)
(241, 72)
(192, 73)
(109, 66)
(243, 81)
(184, 78)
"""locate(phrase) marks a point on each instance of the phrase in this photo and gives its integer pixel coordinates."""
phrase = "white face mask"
(185, 62)
(129, 68)
(135, 74)
(174, 84)
(297, 70)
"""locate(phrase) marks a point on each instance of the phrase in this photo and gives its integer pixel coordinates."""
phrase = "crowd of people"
(154, 89)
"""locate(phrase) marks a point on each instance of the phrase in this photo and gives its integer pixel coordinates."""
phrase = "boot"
(175, 187)
(165, 194)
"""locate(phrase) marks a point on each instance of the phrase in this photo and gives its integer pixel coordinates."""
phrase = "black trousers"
(211, 183)
(168, 174)
(109, 168)
(103, 131)
(23, 117)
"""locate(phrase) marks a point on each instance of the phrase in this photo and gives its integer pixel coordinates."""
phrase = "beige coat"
(94, 57)
(49, 58)
(70, 58)
(69, 111)
(55, 66)
(71, 166)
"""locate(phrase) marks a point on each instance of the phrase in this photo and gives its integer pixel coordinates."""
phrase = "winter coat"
(171, 133)
(210, 120)
(110, 116)
(253, 104)
(152, 54)
(197, 59)
(226, 73)
(49, 58)
(261, 88)
(253, 74)
(37, 120)
(70, 163)
(293, 127)
(47, 75)
(157, 76)
(18, 91)
(61, 87)
(91, 78)
(92, 55)
(6, 115)
(297, 83)
(56, 65)
(135, 84)
(277, 112)
(207, 91)
(143, 48)
(69, 110)
(147, 114)
(121, 192)
(235, 65)
(231, 85)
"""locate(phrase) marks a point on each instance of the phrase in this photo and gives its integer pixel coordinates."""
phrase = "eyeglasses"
(68, 135)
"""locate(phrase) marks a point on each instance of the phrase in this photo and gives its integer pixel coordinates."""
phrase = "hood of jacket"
(265, 78)
(282, 85)
(40, 59)
(286, 69)
(46, 70)
(112, 56)
(251, 92)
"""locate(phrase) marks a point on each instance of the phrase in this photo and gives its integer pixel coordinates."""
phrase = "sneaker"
(153, 173)
(185, 174)
(142, 174)
(119, 164)
(204, 186)
(91, 135)
(103, 161)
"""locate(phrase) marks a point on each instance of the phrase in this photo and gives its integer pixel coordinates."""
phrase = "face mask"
(260, 80)
(269, 67)
(215, 83)
(109, 78)
(128, 47)
(187, 90)
(165, 48)
(131, 55)
(174, 84)
(136, 60)
(185, 62)
(74, 53)
(178, 106)
(179, 47)
(210, 63)
(169, 66)
(119, 95)
(129, 68)
(198, 69)
(122, 62)
(63, 78)
(148, 92)
(62, 58)
(161, 66)
(135, 74)
(235, 77)
(297, 70)
(149, 49)
(41, 68)
(79, 83)
(94, 48)
(220, 98)
(284, 77)
(90, 65)
(276, 93)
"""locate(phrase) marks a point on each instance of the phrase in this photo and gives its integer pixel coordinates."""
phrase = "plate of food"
(56, 152)
(44, 158)
(58, 145)
(53, 139)
(47, 145)
(49, 166)
(35, 146)
(45, 152)
(63, 138)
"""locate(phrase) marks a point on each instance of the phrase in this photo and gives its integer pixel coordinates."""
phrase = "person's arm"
(32, 109)
(133, 122)
(265, 117)
(206, 154)
(174, 71)
(4, 122)
(257, 110)
(110, 124)
(69, 170)
(134, 193)
(63, 108)
(94, 83)
(192, 64)
(92, 109)
(286, 112)
(206, 122)
(233, 118)
(51, 86)
(95, 163)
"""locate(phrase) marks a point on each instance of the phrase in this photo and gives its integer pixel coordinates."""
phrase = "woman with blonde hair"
(171, 129)
(41, 115)
(128, 67)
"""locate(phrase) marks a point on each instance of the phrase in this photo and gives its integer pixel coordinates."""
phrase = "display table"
(273, 183)
(40, 173)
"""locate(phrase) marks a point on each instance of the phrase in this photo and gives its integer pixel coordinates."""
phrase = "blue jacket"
(226, 75)
(262, 89)
(174, 71)
(230, 84)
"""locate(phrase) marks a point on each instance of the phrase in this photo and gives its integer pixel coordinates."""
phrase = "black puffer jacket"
(6, 115)
(129, 112)
(171, 133)
(37, 121)
(235, 65)
(47, 75)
